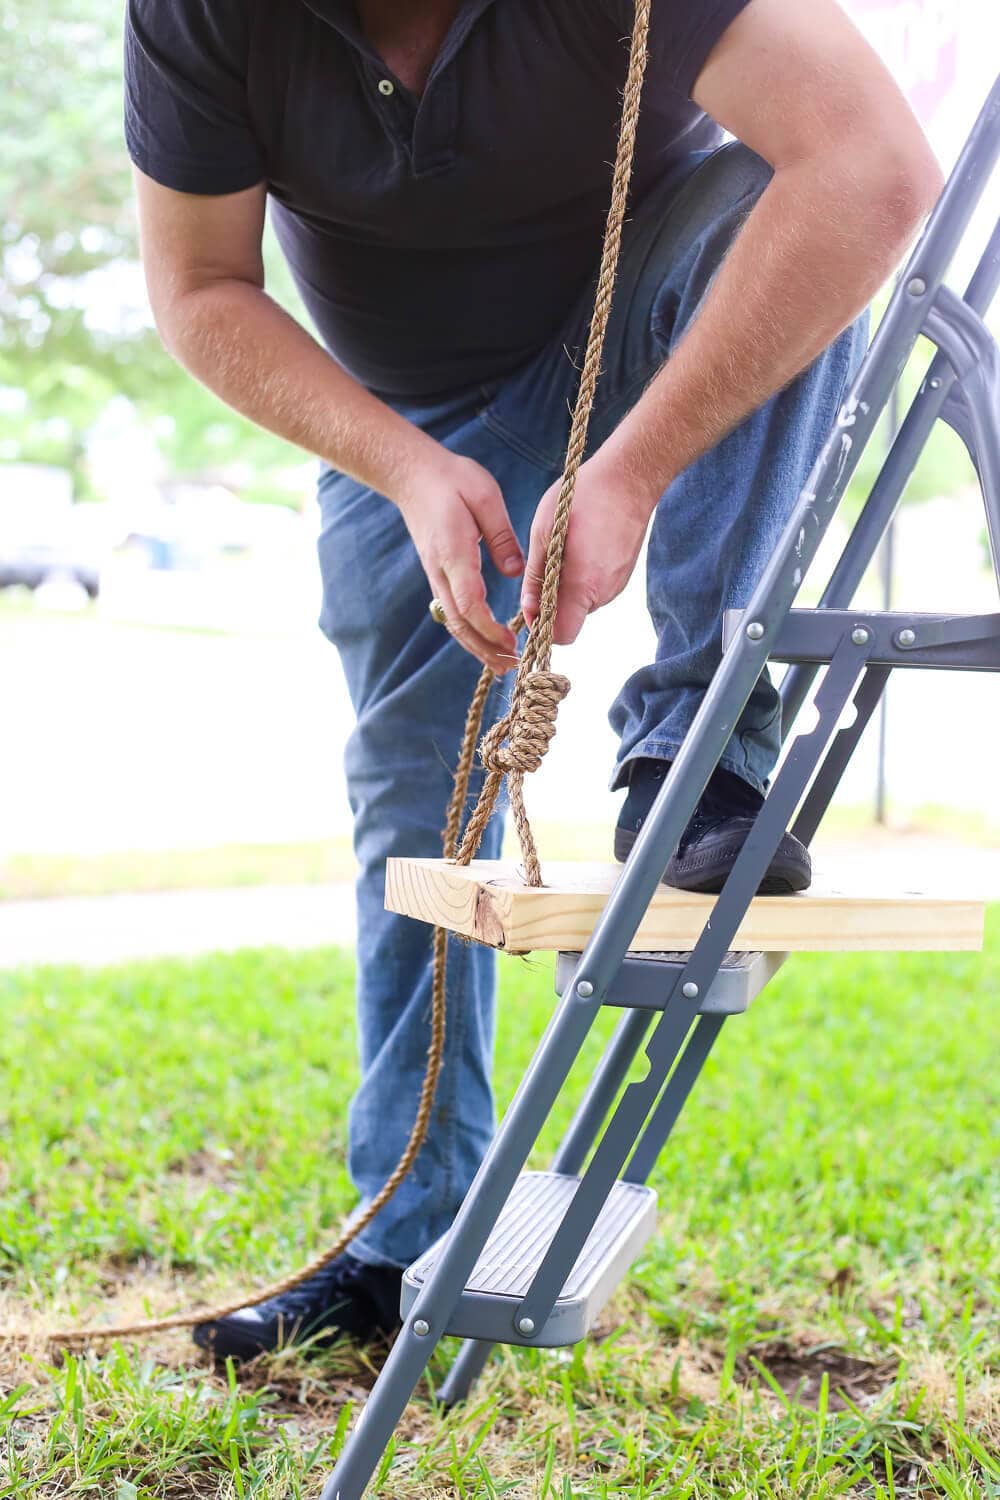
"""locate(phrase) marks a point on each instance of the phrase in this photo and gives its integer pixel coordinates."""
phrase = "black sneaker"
(346, 1298)
(715, 835)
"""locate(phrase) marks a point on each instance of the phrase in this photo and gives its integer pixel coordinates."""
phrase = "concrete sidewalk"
(95, 930)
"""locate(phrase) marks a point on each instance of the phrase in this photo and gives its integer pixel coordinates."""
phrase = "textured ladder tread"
(514, 1250)
(853, 911)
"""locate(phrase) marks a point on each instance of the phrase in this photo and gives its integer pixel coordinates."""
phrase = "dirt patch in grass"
(799, 1371)
(204, 1166)
(137, 1294)
(324, 1380)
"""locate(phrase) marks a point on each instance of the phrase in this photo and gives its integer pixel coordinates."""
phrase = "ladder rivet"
(917, 286)
(907, 637)
(690, 990)
(755, 630)
(421, 1328)
(526, 1326)
(585, 989)
(859, 635)
(934, 383)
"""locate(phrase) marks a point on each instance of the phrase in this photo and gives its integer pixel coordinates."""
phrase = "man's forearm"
(250, 352)
(811, 255)
(246, 349)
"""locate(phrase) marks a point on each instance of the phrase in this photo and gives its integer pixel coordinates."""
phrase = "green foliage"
(74, 332)
(816, 1316)
(944, 467)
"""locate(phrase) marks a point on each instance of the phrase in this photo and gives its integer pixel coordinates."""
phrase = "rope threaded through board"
(512, 748)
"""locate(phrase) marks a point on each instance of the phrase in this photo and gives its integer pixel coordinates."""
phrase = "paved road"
(95, 930)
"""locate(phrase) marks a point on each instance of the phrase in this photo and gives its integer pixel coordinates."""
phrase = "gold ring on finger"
(437, 612)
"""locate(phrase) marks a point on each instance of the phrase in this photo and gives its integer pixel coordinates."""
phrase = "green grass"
(817, 1316)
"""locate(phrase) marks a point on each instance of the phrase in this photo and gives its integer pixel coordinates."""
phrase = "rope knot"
(528, 727)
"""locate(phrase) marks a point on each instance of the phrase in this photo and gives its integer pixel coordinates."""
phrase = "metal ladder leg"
(580, 1136)
(490, 1189)
(666, 1114)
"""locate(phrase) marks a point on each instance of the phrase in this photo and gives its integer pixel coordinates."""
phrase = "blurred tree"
(74, 329)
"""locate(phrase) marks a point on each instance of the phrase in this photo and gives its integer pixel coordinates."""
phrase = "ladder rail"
(675, 1095)
(835, 762)
(580, 1135)
(971, 350)
(693, 979)
(883, 498)
(600, 1094)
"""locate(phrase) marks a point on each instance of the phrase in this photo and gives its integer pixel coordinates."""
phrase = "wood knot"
(527, 729)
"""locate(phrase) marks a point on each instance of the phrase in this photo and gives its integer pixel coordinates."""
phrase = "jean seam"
(518, 444)
(759, 729)
(450, 1101)
(666, 339)
(657, 749)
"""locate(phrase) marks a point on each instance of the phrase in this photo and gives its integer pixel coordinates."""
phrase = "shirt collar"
(343, 16)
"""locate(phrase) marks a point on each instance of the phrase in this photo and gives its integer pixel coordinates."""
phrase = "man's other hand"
(606, 529)
(448, 511)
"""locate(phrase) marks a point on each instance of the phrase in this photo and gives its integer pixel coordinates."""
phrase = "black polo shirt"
(437, 241)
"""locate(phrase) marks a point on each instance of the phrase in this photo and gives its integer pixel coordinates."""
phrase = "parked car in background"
(189, 526)
(44, 537)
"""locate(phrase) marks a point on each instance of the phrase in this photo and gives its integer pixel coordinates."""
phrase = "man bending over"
(438, 177)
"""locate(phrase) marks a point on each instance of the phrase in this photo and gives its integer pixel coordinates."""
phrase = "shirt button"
(386, 86)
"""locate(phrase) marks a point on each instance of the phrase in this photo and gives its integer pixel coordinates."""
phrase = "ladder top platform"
(850, 910)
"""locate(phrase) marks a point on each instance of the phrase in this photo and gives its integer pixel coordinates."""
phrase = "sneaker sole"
(785, 877)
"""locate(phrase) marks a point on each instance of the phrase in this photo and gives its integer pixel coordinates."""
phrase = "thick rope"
(530, 722)
(514, 746)
(435, 1053)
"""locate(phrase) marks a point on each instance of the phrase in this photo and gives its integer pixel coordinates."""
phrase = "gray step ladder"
(531, 1258)
(527, 1224)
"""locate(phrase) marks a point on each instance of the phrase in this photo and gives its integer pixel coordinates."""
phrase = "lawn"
(818, 1314)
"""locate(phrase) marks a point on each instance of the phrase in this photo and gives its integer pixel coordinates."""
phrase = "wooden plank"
(856, 912)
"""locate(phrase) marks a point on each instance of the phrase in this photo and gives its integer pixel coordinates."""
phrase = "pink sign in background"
(918, 41)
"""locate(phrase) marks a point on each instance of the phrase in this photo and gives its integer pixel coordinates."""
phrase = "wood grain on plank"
(489, 901)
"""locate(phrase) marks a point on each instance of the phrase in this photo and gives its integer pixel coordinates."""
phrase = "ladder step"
(953, 643)
(645, 980)
(514, 1250)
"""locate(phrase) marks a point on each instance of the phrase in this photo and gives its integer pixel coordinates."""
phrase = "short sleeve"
(682, 33)
(187, 115)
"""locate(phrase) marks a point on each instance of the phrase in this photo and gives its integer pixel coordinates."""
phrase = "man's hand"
(450, 507)
(606, 528)
(206, 284)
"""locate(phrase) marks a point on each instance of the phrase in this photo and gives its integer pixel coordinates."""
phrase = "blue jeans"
(410, 683)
